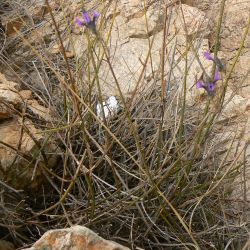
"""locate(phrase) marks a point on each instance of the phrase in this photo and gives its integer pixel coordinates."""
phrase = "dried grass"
(143, 178)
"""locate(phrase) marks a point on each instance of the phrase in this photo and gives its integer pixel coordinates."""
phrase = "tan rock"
(235, 116)
(25, 94)
(5, 245)
(5, 111)
(241, 75)
(74, 238)
(234, 104)
(234, 24)
(9, 91)
(12, 97)
(21, 160)
(236, 14)
(19, 154)
(39, 110)
(129, 48)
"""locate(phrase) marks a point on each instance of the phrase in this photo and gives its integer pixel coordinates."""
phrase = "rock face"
(236, 14)
(137, 36)
(135, 47)
(135, 44)
(74, 238)
(236, 109)
(5, 245)
(21, 159)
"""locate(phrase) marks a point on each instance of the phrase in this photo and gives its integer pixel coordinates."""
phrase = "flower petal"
(216, 76)
(79, 22)
(208, 56)
(199, 85)
(96, 14)
(86, 17)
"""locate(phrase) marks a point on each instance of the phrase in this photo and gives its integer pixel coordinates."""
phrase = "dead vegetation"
(146, 177)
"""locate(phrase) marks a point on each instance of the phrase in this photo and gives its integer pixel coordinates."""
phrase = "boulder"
(235, 116)
(5, 245)
(129, 45)
(74, 238)
(21, 157)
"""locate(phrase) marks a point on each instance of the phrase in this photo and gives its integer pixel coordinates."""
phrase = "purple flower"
(216, 76)
(220, 66)
(86, 17)
(210, 86)
(199, 85)
(95, 15)
(88, 21)
(208, 56)
(79, 22)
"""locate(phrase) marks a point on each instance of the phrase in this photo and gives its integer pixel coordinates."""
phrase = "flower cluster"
(209, 86)
(88, 21)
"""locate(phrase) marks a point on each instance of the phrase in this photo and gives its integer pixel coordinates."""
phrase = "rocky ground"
(28, 156)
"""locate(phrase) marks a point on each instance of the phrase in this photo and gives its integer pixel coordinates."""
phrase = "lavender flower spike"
(216, 76)
(210, 86)
(88, 20)
(95, 16)
(208, 56)
(79, 22)
(86, 17)
(199, 85)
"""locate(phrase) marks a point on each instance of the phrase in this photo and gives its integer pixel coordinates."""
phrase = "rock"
(9, 91)
(129, 48)
(235, 116)
(240, 187)
(39, 110)
(5, 112)
(242, 75)
(234, 24)
(204, 5)
(12, 96)
(5, 245)
(21, 160)
(235, 104)
(232, 33)
(232, 30)
(74, 238)
(19, 154)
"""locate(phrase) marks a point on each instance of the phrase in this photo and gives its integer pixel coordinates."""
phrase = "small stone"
(77, 238)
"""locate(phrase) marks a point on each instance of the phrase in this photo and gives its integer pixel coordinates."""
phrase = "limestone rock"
(233, 28)
(204, 5)
(234, 104)
(12, 96)
(235, 116)
(234, 21)
(236, 14)
(74, 238)
(21, 160)
(235, 24)
(131, 57)
(9, 91)
(5, 112)
(19, 154)
(5, 245)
